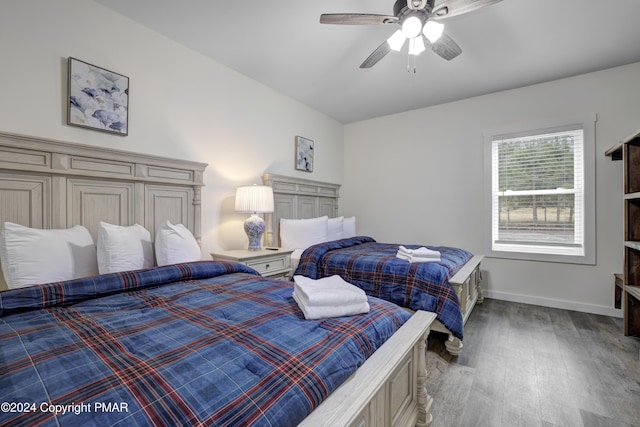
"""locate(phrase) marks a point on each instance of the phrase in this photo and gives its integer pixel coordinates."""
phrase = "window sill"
(589, 259)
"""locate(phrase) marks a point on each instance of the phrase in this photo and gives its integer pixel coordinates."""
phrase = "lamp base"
(254, 226)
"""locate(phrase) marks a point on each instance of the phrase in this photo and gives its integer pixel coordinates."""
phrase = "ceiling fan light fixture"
(396, 41)
(416, 46)
(433, 30)
(411, 27)
(415, 20)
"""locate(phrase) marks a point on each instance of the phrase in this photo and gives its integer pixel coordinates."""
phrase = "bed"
(182, 343)
(451, 288)
(187, 344)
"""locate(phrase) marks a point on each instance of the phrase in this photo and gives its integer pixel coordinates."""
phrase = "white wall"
(182, 104)
(418, 177)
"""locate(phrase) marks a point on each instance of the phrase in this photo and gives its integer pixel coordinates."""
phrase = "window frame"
(587, 123)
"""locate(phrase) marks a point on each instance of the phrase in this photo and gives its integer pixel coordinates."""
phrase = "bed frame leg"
(479, 288)
(424, 400)
(480, 294)
(453, 345)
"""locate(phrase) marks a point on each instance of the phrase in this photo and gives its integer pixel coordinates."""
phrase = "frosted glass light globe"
(433, 30)
(396, 41)
(411, 27)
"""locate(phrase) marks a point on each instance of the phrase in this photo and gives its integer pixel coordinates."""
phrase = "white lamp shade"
(254, 199)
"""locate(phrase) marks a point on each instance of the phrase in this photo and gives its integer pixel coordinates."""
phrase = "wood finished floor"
(525, 365)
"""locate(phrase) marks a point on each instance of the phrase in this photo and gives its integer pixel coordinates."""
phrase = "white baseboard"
(553, 303)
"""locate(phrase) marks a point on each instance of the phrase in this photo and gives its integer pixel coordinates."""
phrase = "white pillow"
(123, 248)
(302, 233)
(349, 227)
(335, 228)
(175, 244)
(32, 256)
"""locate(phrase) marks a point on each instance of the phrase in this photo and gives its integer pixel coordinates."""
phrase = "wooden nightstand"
(274, 263)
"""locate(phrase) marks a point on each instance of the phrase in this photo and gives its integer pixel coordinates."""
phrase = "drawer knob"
(266, 266)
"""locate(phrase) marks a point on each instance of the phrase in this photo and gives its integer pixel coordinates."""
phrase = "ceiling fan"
(419, 24)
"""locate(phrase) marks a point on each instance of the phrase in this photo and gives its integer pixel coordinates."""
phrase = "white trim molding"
(554, 303)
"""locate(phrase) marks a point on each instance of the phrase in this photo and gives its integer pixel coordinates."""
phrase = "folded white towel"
(413, 259)
(328, 291)
(421, 252)
(322, 312)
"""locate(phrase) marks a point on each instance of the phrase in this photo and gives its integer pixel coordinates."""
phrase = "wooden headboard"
(51, 184)
(298, 198)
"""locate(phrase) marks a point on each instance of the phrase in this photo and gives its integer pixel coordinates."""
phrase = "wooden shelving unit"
(627, 289)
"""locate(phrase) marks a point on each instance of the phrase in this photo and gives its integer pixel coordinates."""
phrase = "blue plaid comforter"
(205, 343)
(375, 268)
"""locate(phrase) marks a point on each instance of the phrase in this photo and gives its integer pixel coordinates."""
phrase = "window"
(541, 193)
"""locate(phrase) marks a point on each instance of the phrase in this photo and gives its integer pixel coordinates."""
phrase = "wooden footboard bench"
(466, 283)
(389, 389)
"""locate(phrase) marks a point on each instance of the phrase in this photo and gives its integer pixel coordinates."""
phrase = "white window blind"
(538, 192)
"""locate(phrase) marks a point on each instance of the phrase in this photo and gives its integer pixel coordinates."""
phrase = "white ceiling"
(281, 44)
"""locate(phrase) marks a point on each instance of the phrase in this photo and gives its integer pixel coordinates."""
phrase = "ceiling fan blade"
(356, 19)
(444, 46)
(376, 55)
(450, 8)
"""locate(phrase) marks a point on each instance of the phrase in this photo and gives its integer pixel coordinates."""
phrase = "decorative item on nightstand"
(254, 199)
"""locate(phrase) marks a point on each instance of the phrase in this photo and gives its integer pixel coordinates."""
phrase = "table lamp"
(254, 199)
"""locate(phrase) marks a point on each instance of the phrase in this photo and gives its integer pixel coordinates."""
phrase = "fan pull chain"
(409, 55)
(409, 63)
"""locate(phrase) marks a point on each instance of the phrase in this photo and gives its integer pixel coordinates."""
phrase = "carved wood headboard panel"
(297, 198)
(52, 184)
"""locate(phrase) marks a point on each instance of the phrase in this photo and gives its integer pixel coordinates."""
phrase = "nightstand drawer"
(264, 266)
(268, 262)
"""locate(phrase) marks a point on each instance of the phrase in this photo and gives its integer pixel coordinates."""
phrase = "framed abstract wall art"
(98, 99)
(304, 154)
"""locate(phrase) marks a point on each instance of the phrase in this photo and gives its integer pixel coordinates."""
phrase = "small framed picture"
(98, 98)
(304, 154)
